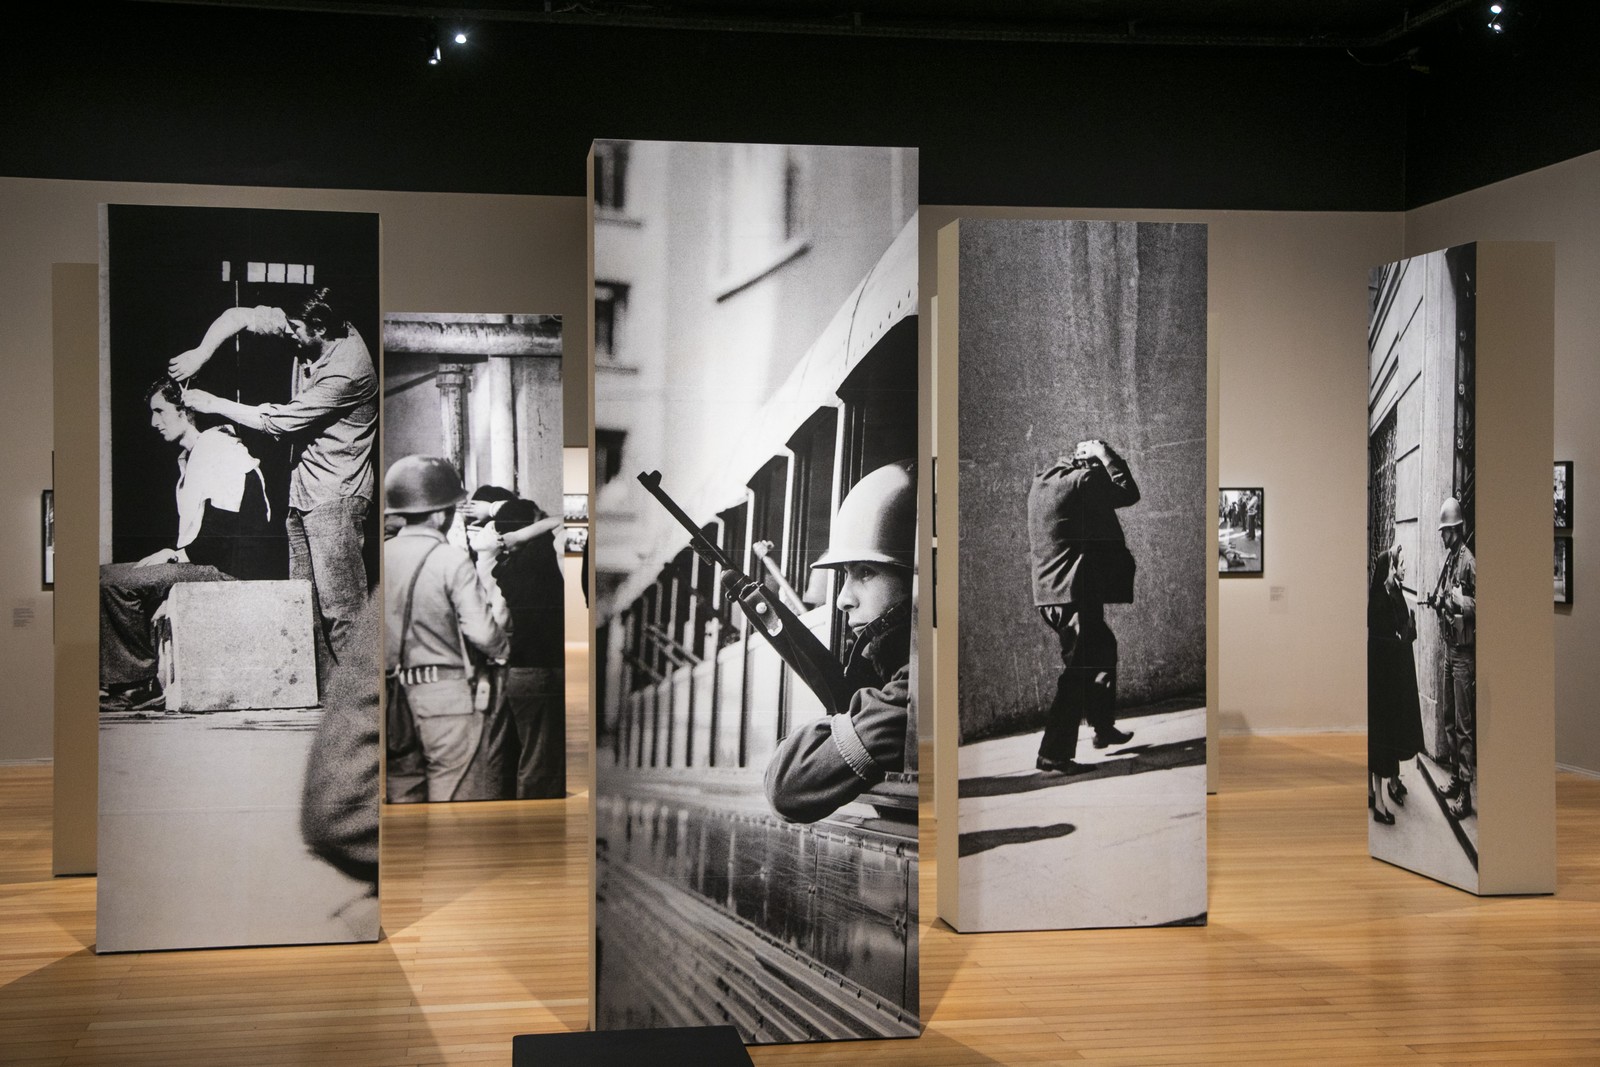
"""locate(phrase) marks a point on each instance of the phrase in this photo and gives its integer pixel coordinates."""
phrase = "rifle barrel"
(651, 480)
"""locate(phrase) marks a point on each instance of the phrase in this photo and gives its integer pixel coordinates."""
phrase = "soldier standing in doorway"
(1454, 600)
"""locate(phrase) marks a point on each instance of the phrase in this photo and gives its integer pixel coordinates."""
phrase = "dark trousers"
(538, 700)
(1461, 709)
(1088, 650)
(129, 596)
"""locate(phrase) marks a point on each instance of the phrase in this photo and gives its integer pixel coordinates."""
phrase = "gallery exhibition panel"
(476, 703)
(238, 637)
(756, 578)
(1459, 369)
(1071, 557)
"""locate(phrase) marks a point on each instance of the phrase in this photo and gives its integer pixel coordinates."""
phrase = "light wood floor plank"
(1314, 953)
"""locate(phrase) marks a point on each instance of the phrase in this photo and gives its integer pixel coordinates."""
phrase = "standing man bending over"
(1081, 563)
(332, 421)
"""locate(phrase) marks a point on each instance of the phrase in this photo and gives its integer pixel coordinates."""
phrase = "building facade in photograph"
(756, 370)
(1422, 572)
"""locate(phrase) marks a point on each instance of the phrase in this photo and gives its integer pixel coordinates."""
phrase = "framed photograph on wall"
(577, 538)
(47, 536)
(1563, 570)
(1563, 494)
(1241, 536)
(574, 508)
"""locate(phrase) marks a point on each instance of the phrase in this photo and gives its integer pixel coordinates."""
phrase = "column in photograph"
(756, 573)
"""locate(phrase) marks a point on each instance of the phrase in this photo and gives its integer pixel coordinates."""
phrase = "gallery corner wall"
(1555, 204)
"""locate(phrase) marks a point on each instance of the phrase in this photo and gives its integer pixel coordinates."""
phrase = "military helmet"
(416, 485)
(1450, 513)
(877, 523)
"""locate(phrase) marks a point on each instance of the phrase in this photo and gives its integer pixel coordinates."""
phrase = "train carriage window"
(880, 405)
(769, 490)
(733, 534)
(703, 606)
(810, 520)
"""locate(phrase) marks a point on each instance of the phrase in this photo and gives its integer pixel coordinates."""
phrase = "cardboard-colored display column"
(1075, 483)
(1461, 698)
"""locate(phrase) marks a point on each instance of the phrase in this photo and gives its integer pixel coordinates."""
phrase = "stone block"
(241, 645)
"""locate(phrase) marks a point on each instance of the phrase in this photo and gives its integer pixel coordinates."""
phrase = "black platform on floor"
(703, 1046)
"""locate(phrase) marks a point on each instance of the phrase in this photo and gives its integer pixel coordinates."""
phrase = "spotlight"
(461, 38)
(1496, 27)
(433, 58)
(1495, 9)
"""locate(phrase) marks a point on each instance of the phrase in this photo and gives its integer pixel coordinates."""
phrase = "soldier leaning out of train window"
(822, 765)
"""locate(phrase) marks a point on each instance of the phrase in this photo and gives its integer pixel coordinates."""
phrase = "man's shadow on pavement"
(1132, 759)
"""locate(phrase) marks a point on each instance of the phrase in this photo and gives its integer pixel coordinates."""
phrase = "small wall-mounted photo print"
(1563, 570)
(1563, 494)
(47, 536)
(574, 507)
(577, 539)
(1240, 536)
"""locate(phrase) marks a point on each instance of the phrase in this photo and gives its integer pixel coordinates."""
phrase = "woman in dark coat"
(1394, 714)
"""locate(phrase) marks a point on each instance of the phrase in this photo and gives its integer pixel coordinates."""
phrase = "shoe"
(1384, 817)
(136, 696)
(1459, 809)
(1059, 766)
(1113, 736)
(1372, 801)
(1397, 792)
(1451, 792)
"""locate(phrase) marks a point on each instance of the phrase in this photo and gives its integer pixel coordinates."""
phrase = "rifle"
(798, 646)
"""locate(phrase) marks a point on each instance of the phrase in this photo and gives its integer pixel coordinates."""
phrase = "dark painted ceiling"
(1274, 23)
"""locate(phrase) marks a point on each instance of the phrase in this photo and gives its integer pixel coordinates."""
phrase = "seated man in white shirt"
(222, 534)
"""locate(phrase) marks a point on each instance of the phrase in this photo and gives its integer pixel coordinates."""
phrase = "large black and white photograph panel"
(754, 543)
(474, 639)
(1241, 532)
(1421, 570)
(1084, 563)
(239, 633)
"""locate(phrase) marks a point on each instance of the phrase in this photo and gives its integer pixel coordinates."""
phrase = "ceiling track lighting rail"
(853, 24)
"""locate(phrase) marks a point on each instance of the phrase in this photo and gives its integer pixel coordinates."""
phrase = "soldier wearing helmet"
(1081, 563)
(825, 764)
(1455, 601)
(438, 602)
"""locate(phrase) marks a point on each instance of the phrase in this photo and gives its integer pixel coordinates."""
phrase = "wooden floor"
(1314, 952)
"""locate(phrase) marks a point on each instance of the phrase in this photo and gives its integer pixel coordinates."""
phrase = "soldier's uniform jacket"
(825, 764)
(1079, 552)
(1460, 572)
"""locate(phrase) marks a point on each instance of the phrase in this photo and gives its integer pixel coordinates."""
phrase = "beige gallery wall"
(1287, 304)
(441, 252)
(1560, 204)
